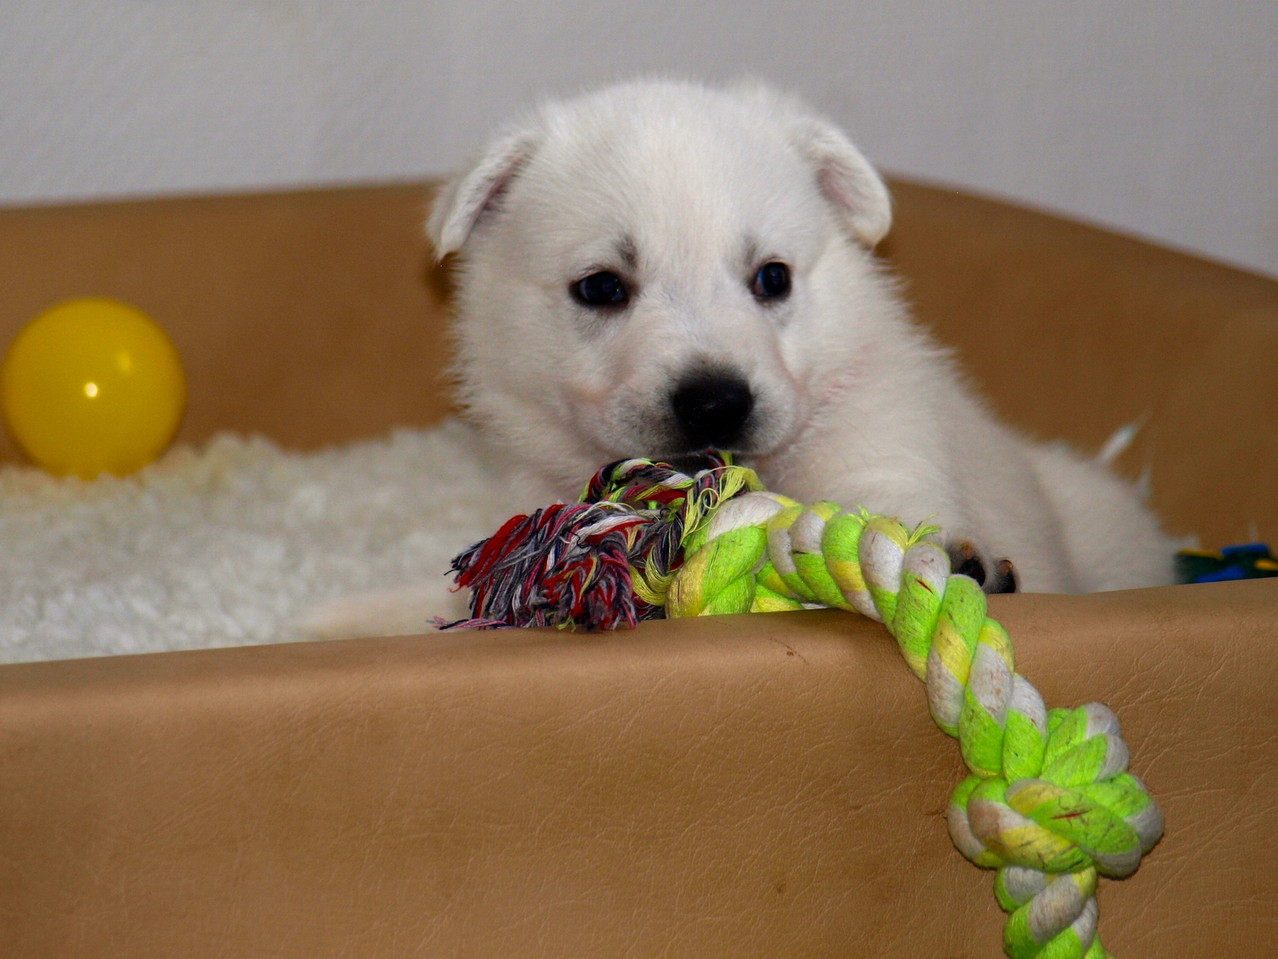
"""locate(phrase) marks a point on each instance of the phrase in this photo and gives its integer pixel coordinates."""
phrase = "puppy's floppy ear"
(465, 198)
(846, 179)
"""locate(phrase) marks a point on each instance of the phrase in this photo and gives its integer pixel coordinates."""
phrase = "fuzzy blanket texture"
(236, 542)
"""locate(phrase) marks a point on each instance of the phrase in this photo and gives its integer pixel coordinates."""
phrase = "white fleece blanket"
(238, 542)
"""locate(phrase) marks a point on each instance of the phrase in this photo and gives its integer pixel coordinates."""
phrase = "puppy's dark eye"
(772, 280)
(601, 289)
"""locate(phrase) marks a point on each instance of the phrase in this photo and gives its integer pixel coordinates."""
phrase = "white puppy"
(660, 267)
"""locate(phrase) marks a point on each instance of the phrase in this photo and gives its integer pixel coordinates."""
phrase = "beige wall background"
(1157, 117)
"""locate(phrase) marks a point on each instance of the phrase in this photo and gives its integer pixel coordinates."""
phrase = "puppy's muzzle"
(712, 409)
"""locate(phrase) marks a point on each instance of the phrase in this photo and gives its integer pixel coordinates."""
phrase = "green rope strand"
(1049, 802)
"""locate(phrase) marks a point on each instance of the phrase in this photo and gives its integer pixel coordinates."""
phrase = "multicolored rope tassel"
(602, 563)
(1049, 802)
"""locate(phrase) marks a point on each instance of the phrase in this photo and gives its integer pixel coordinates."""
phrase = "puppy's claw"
(1004, 579)
(965, 561)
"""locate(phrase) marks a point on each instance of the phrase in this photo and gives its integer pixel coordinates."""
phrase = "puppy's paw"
(998, 576)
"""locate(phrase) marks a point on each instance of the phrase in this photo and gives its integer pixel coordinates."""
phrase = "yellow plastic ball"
(92, 386)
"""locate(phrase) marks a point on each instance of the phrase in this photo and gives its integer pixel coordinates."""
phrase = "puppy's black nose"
(712, 409)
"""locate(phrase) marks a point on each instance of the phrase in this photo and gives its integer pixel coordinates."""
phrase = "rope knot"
(1079, 809)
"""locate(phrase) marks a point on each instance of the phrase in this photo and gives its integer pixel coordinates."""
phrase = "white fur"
(683, 191)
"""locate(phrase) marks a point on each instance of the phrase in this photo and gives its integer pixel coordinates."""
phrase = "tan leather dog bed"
(742, 786)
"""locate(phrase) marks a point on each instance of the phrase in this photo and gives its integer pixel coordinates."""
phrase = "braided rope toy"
(1049, 802)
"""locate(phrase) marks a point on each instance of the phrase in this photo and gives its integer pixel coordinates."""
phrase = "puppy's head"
(657, 268)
